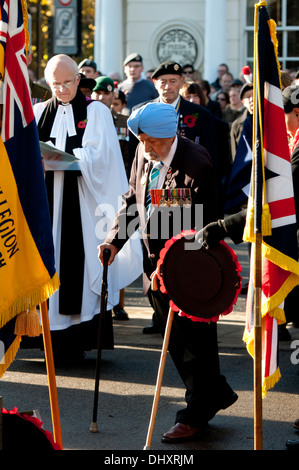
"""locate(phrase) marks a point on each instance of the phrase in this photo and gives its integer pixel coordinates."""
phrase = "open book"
(55, 159)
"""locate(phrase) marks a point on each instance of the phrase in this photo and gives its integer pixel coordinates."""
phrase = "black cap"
(87, 63)
(245, 87)
(290, 98)
(168, 68)
(134, 57)
(86, 82)
(236, 82)
(120, 95)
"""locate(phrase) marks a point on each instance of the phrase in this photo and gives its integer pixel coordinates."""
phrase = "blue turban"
(154, 119)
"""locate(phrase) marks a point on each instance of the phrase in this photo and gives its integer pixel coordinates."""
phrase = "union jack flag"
(27, 271)
(16, 107)
(271, 208)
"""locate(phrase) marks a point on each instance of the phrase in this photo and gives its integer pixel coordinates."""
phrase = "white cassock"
(101, 185)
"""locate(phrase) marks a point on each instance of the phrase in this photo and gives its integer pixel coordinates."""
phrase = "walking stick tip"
(93, 427)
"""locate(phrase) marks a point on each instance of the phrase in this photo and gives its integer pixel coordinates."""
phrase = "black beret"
(134, 57)
(120, 95)
(168, 68)
(87, 63)
(86, 82)
(245, 87)
(290, 98)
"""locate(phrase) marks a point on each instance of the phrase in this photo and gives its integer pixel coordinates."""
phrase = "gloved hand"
(211, 234)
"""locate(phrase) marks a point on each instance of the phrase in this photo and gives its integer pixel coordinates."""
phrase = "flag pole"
(258, 204)
(258, 414)
(51, 374)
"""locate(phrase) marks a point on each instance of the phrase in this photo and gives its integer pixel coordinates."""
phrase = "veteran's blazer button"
(152, 255)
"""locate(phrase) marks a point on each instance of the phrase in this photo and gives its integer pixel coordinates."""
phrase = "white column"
(108, 36)
(215, 37)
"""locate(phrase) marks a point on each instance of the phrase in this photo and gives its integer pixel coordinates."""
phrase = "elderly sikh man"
(84, 128)
(193, 345)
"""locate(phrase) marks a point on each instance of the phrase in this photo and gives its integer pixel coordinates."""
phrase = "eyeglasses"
(187, 72)
(66, 84)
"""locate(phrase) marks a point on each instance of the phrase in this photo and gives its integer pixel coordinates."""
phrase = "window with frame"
(286, 15)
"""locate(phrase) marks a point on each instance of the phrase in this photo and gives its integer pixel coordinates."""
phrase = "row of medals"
(170, 197)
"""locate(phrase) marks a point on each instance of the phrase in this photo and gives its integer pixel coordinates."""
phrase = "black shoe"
(120, 314)
(151, 329)
(229, 401)
(226, 402)
(292, 444)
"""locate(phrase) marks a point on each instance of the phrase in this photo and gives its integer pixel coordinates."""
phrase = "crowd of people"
(119, 130)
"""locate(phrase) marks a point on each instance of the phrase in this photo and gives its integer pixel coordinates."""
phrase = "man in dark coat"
(194, 121)
(192, 345)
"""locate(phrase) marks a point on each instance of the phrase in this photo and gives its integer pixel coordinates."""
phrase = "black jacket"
(192, 168)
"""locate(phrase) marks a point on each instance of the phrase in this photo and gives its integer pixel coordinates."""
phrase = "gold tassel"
(249, 228)
(266, 221)
(28, 324)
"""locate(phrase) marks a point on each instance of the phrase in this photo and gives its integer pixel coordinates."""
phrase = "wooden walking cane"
(159, 380)
(104, 298)
(51, 374)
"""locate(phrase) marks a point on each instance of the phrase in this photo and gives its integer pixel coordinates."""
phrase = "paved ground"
(127, 384)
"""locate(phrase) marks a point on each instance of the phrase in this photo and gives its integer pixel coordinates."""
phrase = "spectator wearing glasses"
(190, 73)
(75, 124)
(223, 99)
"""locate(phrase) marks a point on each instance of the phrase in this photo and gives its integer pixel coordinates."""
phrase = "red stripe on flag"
(18, 41)
(275, 140)
(282, 208)
(14, 70)
(268, 344)
(273, 278)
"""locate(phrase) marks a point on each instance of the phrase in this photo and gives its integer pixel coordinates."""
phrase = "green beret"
(168, 68)
(104, 83)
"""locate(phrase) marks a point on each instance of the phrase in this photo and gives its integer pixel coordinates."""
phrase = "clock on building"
(177, 45)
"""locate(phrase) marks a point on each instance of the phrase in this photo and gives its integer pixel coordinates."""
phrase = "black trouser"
(194, 351)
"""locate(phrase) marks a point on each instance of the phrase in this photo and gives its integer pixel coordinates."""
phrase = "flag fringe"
(288, 264)
(280, 259)
(30, 300)
(273, 33)
(10, 355)
(271, 380)
(26, 25)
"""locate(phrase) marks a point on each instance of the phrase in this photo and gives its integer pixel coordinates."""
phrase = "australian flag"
(27, 272)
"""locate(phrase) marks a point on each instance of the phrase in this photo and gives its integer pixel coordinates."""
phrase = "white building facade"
(204, 33)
